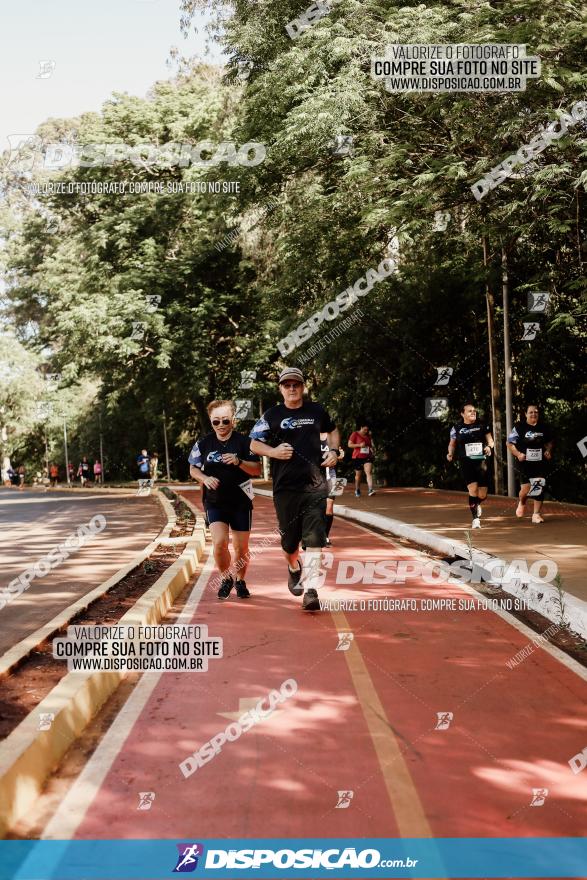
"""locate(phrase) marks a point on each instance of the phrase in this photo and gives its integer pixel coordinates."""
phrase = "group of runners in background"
(301, 439)
(530, 442)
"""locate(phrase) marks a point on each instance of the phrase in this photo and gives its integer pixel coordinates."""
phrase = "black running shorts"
(527, 469)
(474, 470)
(359, 462)
(301, 517)
(239, 518)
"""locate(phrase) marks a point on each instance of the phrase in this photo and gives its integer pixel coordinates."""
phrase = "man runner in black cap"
(289, 433)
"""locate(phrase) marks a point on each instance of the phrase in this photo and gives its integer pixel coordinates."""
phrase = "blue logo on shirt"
(291, 423)
(214, 456)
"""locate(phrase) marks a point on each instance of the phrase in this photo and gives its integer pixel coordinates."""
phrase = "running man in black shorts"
(222, 462)
(289, 433)
(473, 442)
(530, 442)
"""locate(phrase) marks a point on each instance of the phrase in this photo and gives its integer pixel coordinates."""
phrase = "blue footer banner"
(284, 858)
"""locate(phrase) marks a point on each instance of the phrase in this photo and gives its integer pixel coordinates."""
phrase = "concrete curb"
(28, 756)
(539, 595)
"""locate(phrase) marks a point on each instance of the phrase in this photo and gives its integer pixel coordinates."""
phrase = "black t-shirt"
(207, 455)
(469, 437)
(530, 439)
(301, 428)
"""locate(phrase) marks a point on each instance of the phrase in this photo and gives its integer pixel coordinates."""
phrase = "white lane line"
(80, 796)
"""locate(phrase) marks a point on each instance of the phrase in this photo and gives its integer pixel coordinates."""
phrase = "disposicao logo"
(214, 456)
(187, 860)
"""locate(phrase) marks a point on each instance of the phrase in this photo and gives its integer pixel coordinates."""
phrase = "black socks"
(329, 521)
(473, 502)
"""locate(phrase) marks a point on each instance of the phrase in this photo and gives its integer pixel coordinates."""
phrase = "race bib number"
(474, 450)
(247, 488)
(534, 455)
(337, 485)
(364, 450)
(537, 485)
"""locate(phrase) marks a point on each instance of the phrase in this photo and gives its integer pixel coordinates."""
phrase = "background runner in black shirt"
(530, 442)
(289, 434)
(473, 442)
(223, 463)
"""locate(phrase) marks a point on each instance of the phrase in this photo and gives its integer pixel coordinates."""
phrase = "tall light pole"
(507, 368)
(65, 447)
(493, 371)
(166, 446)
(101, 447)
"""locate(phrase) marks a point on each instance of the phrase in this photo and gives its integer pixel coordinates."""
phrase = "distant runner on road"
(473, 442)
(53, 474)
(361, 442)
(143, 464)
(222, 462)
(83, 471)
(289, 433)
(530, 442)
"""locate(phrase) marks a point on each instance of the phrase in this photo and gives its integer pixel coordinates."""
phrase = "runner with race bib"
(530, 442)
(473, 442)
(361, 442)
(289, 434)
(222, 462)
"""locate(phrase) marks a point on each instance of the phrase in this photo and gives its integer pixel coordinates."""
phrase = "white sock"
(312, 562)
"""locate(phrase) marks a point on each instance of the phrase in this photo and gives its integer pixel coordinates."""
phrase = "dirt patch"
(186, 519)
(30, 682)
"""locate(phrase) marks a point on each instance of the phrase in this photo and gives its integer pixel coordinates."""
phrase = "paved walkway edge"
(539, 595)
(28, 756)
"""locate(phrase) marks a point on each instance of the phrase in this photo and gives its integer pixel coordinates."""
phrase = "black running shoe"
(225, 588)
(241, 590)
(293, 580)
(310, 601)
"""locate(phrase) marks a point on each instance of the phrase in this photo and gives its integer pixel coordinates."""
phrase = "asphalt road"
(33, 522)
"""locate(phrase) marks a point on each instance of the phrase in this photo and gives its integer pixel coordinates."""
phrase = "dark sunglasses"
(217, 422)
(291, 384)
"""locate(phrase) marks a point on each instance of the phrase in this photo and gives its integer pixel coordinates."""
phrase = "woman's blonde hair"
(215, 404)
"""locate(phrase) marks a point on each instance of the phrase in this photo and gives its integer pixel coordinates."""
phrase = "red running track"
(362, 720)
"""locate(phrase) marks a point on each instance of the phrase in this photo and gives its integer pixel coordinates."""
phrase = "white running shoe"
(536, 518)
(476, 524)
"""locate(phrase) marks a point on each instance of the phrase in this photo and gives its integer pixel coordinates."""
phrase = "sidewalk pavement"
(562, 537)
